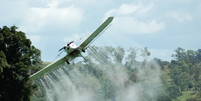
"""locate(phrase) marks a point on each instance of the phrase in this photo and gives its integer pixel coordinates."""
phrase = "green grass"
(185, 95)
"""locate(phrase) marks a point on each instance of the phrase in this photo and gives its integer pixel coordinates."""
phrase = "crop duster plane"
(72, 50)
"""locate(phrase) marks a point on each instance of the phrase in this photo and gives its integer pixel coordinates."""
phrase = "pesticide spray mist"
(104, 77)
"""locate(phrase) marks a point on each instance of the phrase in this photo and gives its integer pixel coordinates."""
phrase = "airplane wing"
(96, 32)
(48, 68)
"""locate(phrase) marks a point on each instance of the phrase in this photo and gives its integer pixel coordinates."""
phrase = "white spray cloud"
(103, 81)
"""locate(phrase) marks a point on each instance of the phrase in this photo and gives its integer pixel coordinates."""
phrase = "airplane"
(72, 50)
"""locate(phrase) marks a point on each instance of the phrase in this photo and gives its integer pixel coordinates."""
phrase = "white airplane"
(72, 50)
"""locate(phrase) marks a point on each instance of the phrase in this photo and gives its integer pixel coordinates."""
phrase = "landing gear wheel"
(67, 62)
(83, 50)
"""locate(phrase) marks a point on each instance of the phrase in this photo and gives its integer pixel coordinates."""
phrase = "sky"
(160, 25)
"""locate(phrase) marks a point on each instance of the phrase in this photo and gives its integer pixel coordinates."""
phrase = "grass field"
(185, 95)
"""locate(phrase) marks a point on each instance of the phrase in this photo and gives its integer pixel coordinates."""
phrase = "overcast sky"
(160, 25)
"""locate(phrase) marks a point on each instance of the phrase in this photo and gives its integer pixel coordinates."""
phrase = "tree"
(198, 56)
(190, 56)
(163, 64)
(173, 91)
(119, 54)
(183, 81)
(131, 58)
(180, 54)
(164, 97)
(145, 53)
(17, 59)
(3, 63)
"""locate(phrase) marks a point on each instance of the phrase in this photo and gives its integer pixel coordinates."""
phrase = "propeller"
(61, 48)
(68, 44)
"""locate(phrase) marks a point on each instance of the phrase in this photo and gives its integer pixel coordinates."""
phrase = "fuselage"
(72, 50)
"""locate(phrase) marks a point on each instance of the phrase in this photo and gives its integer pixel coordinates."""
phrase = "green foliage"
(180, 76)
(130, 59)
(185, 73)
(3, 63)
(191, 99)
(180, 54)
(145, 53)
(17, 59)
(173, 91)
(164, 97)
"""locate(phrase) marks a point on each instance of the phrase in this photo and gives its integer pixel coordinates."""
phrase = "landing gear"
(83, 50)
(67, 62)
(84, 58)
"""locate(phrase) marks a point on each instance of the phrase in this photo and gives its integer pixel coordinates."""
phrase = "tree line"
(19, 59)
